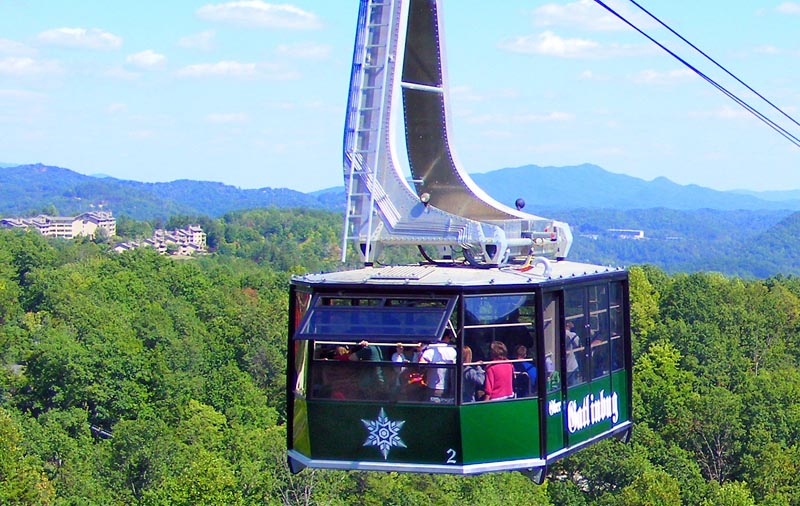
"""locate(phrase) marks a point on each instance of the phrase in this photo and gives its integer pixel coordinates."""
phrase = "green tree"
(717, 433)
(644, 303)
(664, 392)
(654, 487)
(731, 493)
(22, 478)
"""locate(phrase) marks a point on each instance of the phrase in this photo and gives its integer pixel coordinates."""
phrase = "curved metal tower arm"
(399, 47)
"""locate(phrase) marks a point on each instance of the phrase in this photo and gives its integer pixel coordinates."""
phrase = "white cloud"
(202, 40)
(587, 14)
(147, 59)
(255, 13)
(548, 43)
(655, 77)
(305, 51)
(80, 38)
(788, 8)
(23, 66)
(237, 69)
(230, 117)
(8, 46)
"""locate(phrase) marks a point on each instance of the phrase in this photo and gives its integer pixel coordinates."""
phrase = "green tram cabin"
(359, 398)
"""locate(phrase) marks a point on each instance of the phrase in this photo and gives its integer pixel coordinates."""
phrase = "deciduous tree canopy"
(137, 379)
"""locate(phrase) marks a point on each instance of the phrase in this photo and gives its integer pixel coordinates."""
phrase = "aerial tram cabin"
(356, 410)
(494, 293)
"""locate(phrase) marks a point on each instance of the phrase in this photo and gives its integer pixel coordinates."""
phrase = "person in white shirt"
(573, 341)
(438, 379)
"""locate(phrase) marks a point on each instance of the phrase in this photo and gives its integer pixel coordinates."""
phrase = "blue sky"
(252, 93)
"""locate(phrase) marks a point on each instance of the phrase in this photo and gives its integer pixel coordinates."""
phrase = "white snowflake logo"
(384, 433)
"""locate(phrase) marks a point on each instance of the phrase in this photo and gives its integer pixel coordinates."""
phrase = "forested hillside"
(750, 244)
(31, 189)
(138, 379)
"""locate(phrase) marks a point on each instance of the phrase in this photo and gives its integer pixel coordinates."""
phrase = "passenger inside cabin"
(437, 379)
(342, 353)
(499, 373)
(524, 373)
(397, 371)
(573, 343)
(399, 356)
(339, 378)
(371, 381)
(472, 386)
(417, 353)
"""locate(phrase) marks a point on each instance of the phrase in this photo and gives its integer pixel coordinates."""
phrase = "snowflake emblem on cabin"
(383, 433)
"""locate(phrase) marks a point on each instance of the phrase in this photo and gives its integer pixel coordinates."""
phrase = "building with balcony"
(84, 225)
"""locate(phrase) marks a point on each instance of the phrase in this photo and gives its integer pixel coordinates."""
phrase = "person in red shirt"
(499, 374)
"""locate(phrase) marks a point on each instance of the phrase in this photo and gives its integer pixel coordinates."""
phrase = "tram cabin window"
(576, 334)
(510, 320)
(363, 348)
(599, 333)
(616, 315)
(365, 371)
(593, 329)
(552, 338)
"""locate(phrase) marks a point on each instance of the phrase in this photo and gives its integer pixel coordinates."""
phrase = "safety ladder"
(365, 120)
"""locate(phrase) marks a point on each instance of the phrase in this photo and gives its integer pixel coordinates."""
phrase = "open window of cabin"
(365, 347)
(509, 319)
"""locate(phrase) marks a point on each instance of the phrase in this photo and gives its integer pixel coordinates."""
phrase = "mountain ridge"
(591, 186)
(30, 189)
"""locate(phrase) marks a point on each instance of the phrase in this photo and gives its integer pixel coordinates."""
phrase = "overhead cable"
(791, 138)
(712, 60)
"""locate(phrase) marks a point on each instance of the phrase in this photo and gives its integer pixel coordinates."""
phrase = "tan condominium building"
(84, 225)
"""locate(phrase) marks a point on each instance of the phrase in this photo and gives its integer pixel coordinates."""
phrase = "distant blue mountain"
(776, 196)
(589, 186)
(31, 189)
(27, 189)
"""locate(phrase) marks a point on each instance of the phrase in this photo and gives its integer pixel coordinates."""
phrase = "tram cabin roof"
(544, 272)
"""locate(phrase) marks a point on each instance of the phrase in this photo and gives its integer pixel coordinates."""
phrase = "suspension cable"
(791, 138)
(712, 60)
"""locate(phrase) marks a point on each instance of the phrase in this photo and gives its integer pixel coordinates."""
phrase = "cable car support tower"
(399, 58)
